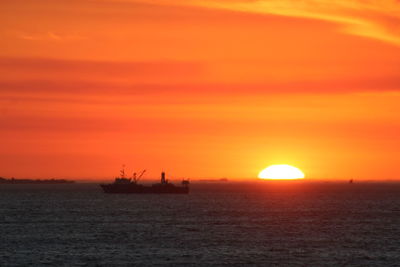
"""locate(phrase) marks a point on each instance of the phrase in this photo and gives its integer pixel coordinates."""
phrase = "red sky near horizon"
(215, 88)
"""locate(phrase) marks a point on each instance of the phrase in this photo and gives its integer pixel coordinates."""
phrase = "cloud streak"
(49, 36)
(80, 88)
(64, 78)
(377, 19)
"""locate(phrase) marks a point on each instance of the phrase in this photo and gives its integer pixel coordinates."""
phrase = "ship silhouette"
(123, 185)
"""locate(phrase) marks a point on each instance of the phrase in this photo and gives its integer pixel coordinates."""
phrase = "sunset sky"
(201, 89)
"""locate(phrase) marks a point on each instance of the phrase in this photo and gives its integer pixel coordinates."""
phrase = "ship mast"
(137, 178)
(122, 171)
(163, 181)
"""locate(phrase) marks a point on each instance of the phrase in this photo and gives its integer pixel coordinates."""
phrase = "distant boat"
(33, 181)
(350, 181)
(123, 185)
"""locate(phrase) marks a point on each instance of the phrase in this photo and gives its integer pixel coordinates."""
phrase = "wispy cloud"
(48, 36)
(67, 77)
(377, 19)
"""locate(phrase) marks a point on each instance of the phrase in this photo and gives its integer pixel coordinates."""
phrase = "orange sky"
(214, 88)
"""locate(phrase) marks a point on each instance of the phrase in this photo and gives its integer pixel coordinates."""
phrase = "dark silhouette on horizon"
(34, 181)
(123, 185)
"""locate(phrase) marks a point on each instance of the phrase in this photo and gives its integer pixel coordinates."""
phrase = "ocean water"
(264, 224)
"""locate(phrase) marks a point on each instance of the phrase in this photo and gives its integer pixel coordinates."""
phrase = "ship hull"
(141, 189)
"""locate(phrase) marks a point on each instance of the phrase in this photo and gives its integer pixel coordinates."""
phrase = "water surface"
(291, 224)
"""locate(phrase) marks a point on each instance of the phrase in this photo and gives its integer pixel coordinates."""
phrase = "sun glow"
(282, 171)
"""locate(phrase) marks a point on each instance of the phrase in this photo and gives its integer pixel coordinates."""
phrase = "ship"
(124, 185)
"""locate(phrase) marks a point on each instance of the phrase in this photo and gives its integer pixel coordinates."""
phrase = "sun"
(281, 171)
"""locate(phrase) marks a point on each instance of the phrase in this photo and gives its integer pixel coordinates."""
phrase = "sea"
(216, 224)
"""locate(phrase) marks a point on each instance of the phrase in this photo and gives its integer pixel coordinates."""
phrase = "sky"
(199, 88)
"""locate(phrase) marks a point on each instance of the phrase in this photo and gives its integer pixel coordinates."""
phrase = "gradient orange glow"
(216, 88)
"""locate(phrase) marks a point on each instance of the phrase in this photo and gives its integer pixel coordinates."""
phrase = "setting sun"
(282, 171)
